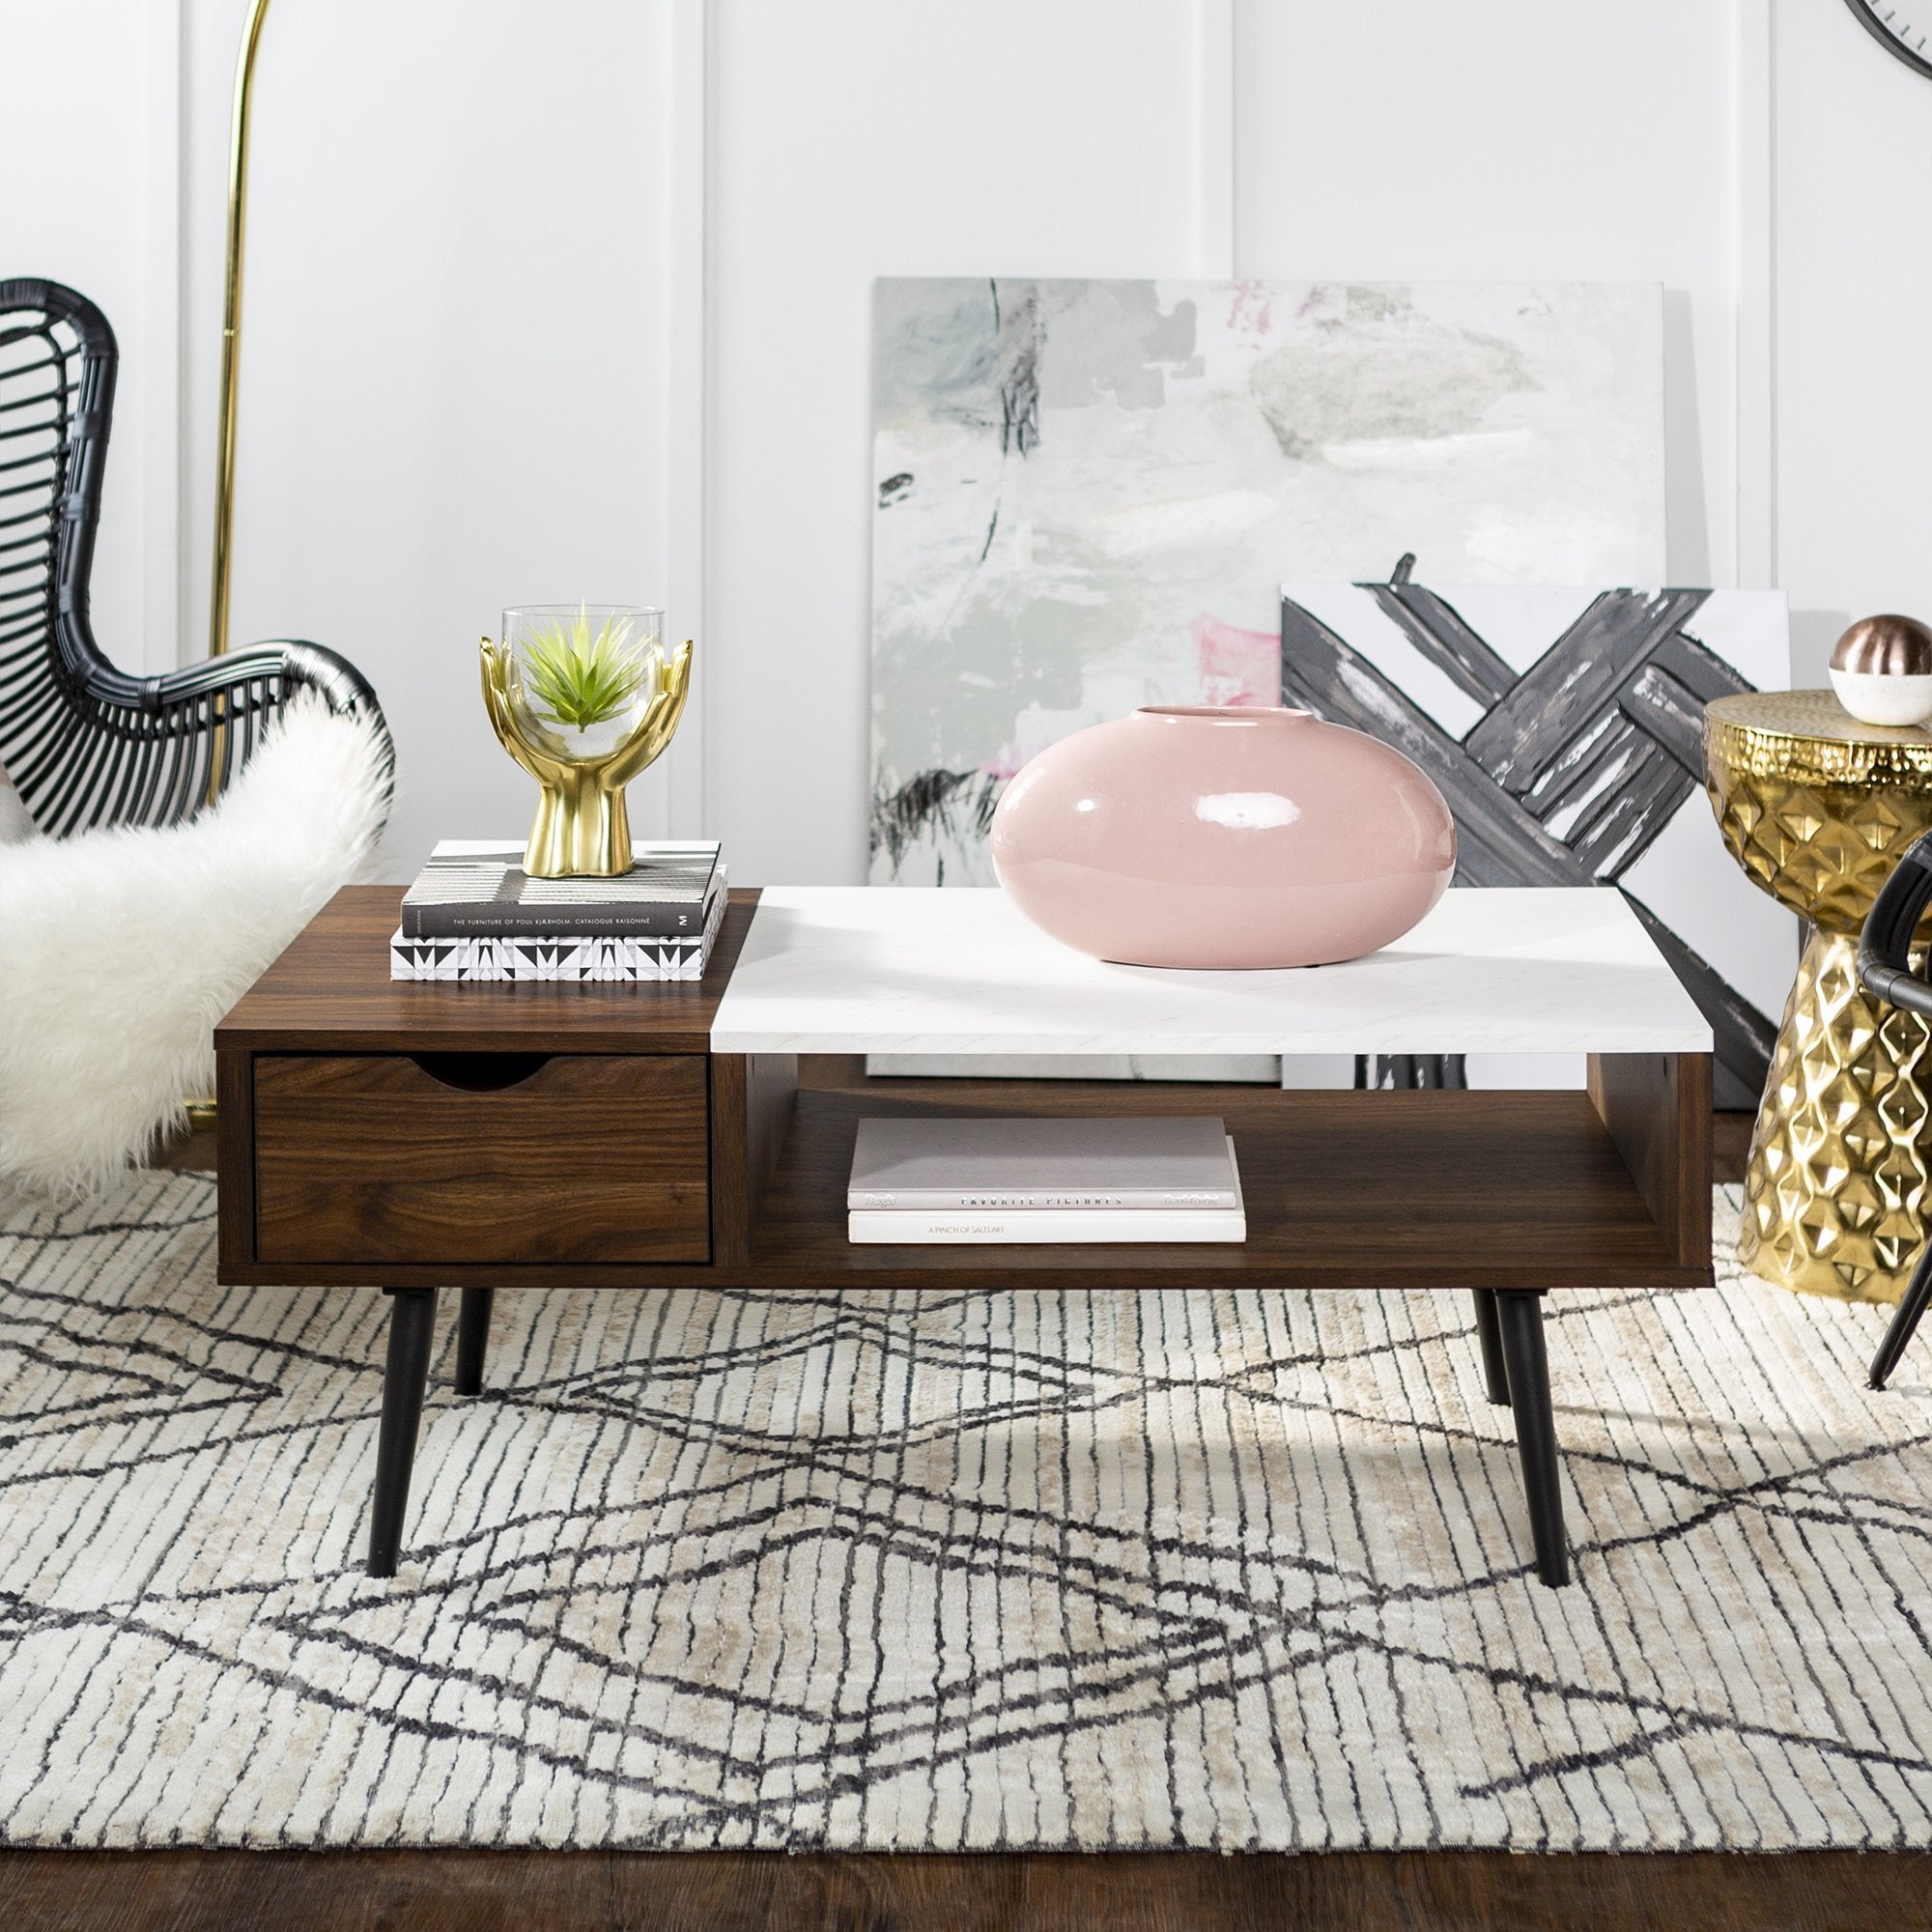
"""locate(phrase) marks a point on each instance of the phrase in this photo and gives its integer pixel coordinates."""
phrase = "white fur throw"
(119, 950)
(15, 824)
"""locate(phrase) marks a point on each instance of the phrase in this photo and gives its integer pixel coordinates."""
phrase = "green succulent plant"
(581, 679)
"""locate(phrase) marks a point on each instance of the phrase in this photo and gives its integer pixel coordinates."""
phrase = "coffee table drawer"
(478, 1157)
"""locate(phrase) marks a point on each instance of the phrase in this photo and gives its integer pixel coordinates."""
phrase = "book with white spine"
(982, 1165)
(1054, 1225)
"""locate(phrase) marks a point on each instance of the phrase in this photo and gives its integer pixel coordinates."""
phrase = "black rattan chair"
(1885, 968)
(84, 742)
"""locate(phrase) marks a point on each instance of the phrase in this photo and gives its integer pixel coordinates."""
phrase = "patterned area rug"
(983, 1571)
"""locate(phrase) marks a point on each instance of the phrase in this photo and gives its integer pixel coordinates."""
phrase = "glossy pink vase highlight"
(1205, 835)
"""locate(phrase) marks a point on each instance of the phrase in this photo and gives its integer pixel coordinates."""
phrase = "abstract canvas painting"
(1088, 494)
(1565, 729)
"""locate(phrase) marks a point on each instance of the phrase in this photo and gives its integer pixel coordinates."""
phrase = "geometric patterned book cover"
(583, 957)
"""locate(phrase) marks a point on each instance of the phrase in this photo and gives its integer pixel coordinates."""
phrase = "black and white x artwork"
(1565, 726)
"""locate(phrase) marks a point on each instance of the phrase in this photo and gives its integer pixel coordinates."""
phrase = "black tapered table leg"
(412, 1329)
(472, 1338)
(1520, 1315)
(1489, 1332)
(1905, 1318)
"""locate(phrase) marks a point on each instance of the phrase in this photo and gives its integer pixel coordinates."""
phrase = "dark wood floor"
(600, 1892)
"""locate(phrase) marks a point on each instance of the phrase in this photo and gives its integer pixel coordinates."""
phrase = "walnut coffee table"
(413, 1135)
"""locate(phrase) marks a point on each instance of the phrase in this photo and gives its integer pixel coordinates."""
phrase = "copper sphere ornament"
(1881, 670)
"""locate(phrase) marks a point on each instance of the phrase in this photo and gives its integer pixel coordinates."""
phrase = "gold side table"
(1817, 808)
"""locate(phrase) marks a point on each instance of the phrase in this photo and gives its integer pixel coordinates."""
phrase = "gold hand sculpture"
(582, 825)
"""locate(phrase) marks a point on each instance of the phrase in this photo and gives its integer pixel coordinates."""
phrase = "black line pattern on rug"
(806, 1446)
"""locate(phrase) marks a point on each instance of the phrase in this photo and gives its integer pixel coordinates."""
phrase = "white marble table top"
(856, 969)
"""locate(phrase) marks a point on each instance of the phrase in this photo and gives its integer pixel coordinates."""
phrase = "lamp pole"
(231, 329)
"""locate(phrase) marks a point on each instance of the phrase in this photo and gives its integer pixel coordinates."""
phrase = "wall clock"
(1904, 29)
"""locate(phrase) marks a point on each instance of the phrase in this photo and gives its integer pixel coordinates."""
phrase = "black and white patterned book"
(474, 888)
(583, 957)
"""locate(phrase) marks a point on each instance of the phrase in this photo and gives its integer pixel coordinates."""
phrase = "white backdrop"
(570, 300)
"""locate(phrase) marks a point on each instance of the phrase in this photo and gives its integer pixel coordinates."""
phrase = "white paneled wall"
(573, 298)
(453, 346)
(1853, 309)
(74, 143)
(1510, 140)
(1027, 137)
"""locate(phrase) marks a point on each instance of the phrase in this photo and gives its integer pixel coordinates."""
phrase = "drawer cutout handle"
(481, 1072)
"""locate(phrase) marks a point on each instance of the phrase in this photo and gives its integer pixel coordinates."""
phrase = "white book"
(1136, 1165)
(1055, 1226)
(1049, 1226)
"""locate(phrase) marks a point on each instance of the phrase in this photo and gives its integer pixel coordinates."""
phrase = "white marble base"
(1880, 697)
(854, 969)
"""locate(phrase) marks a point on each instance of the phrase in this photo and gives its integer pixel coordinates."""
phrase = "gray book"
(474, 890)
(1031, 1163)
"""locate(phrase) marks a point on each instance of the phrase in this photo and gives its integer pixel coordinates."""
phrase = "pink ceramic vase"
(1205, 835)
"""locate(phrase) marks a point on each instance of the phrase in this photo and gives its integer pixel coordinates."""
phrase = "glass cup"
(582, 675)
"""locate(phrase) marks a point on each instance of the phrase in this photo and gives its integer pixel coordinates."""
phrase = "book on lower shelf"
(965, 1179)
(476, 888)
(583, 957)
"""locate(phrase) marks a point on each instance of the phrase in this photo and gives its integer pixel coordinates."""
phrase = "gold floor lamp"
(201, 1113)
(231, 331)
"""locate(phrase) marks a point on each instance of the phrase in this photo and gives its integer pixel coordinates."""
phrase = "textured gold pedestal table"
(1817, 808)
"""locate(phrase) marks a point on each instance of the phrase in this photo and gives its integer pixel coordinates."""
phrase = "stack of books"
(474, 913)
(963, 1180)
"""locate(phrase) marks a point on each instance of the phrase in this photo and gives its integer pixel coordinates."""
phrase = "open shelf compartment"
(1518, 1190)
